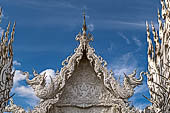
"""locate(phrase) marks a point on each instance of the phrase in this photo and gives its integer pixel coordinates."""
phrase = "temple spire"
(84, 38)
(84, 29)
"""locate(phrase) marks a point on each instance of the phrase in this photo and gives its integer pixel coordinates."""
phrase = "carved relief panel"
(84, 92)
(84, 87)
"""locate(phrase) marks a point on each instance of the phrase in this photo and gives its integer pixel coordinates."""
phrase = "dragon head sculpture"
(38, 83)
(37, 80)
(130, 80)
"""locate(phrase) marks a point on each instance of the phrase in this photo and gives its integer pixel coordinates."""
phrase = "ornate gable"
(84, 88)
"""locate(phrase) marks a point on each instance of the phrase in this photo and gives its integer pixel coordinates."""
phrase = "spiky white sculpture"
(6, 59)
(159, 62)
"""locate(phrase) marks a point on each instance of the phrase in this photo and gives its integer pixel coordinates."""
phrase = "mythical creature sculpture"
(6, 60)
(38, 83)
(129, 83)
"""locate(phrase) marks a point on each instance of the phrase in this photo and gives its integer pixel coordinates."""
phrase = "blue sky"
(46, 30)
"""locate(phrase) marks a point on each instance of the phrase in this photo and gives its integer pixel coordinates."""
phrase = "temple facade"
(85, 85)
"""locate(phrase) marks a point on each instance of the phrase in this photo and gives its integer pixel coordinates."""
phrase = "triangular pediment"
(84, 87)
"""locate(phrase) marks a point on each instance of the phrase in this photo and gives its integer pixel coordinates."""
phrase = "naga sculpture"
(6, 60)
(38, 84)
(130, 82)
(126, 90)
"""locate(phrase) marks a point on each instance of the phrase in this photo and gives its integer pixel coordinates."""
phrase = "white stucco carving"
(158, 62)
(14, 108)
(6, 60)
(84, 84)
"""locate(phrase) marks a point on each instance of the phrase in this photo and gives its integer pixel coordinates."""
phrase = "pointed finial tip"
(14, 24)
(84, 12)
(147, 23)
(84, 23)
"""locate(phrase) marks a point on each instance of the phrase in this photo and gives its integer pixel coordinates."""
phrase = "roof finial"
(84, 23)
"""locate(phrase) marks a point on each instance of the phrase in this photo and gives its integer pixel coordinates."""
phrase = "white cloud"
(16, 63)
(90, 27)
(44, 4)
(25, 91)
(141, 89)
(139, 24)
(125, 38)
(110, 48)
(121, 24)
(137, 42)
(18, 76)
(49, 72)
(127, 64)
(121, 66)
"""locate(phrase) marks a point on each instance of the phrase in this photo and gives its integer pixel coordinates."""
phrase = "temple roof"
(97, 63)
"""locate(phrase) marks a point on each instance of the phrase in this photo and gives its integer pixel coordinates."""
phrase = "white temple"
(85, 85)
